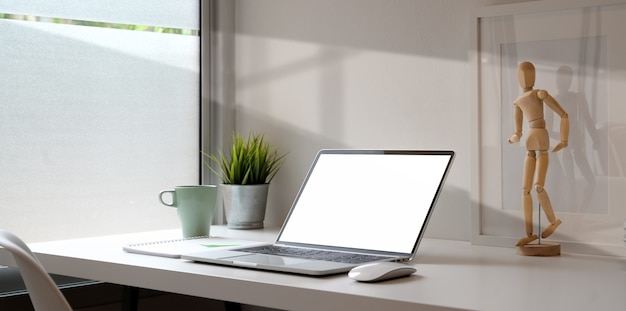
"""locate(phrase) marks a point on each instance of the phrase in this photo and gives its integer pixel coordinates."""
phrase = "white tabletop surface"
(450, 275)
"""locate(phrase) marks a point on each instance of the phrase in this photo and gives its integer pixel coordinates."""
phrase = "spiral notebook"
(174, 248)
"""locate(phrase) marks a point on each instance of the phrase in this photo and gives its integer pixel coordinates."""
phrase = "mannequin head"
(526, 75)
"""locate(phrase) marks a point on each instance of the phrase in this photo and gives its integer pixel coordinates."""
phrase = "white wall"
(358, 74)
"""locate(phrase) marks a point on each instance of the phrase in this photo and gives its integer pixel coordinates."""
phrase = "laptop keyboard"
(350, 258)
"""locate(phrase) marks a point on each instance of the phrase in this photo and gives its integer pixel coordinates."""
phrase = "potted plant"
(246, 174)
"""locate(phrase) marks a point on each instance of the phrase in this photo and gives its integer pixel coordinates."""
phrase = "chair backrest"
(43, 292)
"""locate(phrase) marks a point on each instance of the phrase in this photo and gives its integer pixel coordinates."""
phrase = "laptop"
(354, 207)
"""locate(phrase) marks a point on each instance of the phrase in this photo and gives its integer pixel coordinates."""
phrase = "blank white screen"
(366, 201)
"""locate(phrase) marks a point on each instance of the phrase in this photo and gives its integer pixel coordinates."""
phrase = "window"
(100, 110)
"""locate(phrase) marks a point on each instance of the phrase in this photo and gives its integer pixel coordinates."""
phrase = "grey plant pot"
(245, 205)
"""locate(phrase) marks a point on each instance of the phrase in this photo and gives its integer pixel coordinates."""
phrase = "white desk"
(451, 275)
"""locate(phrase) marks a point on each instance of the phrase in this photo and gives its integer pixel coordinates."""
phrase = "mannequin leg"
(542, 194)
(527, 200)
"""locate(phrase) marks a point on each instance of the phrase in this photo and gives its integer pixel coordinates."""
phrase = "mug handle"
(173, 192)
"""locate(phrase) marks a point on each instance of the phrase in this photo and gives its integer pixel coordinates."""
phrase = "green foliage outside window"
(132, 27)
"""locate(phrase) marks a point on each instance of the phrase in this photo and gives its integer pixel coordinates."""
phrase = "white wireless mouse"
(380, 271)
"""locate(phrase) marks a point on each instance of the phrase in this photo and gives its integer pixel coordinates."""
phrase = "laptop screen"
(375, 200)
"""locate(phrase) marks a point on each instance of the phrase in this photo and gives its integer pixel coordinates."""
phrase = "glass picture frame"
(577, 50)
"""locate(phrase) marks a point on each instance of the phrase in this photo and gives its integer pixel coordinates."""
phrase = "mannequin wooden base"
(543, 249)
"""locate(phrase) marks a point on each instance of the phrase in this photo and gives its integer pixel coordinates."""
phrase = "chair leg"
(130, 298)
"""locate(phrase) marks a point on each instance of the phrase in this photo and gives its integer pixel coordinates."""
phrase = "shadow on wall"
(374, 25)
(378, 26)
(451, 218)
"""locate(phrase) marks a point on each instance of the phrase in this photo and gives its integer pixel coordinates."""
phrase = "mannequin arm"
(518, 118)
(564, 128)
(564, 133)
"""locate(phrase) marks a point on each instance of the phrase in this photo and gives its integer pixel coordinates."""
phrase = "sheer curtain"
(94, 121)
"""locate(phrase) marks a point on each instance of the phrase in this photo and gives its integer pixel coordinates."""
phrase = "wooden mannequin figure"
(530, 105)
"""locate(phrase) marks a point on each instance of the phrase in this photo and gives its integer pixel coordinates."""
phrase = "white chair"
(43, 292)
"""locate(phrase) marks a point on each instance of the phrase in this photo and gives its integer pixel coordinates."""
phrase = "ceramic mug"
(195, 205)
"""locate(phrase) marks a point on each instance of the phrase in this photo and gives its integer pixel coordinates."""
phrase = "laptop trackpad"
(271, 260)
